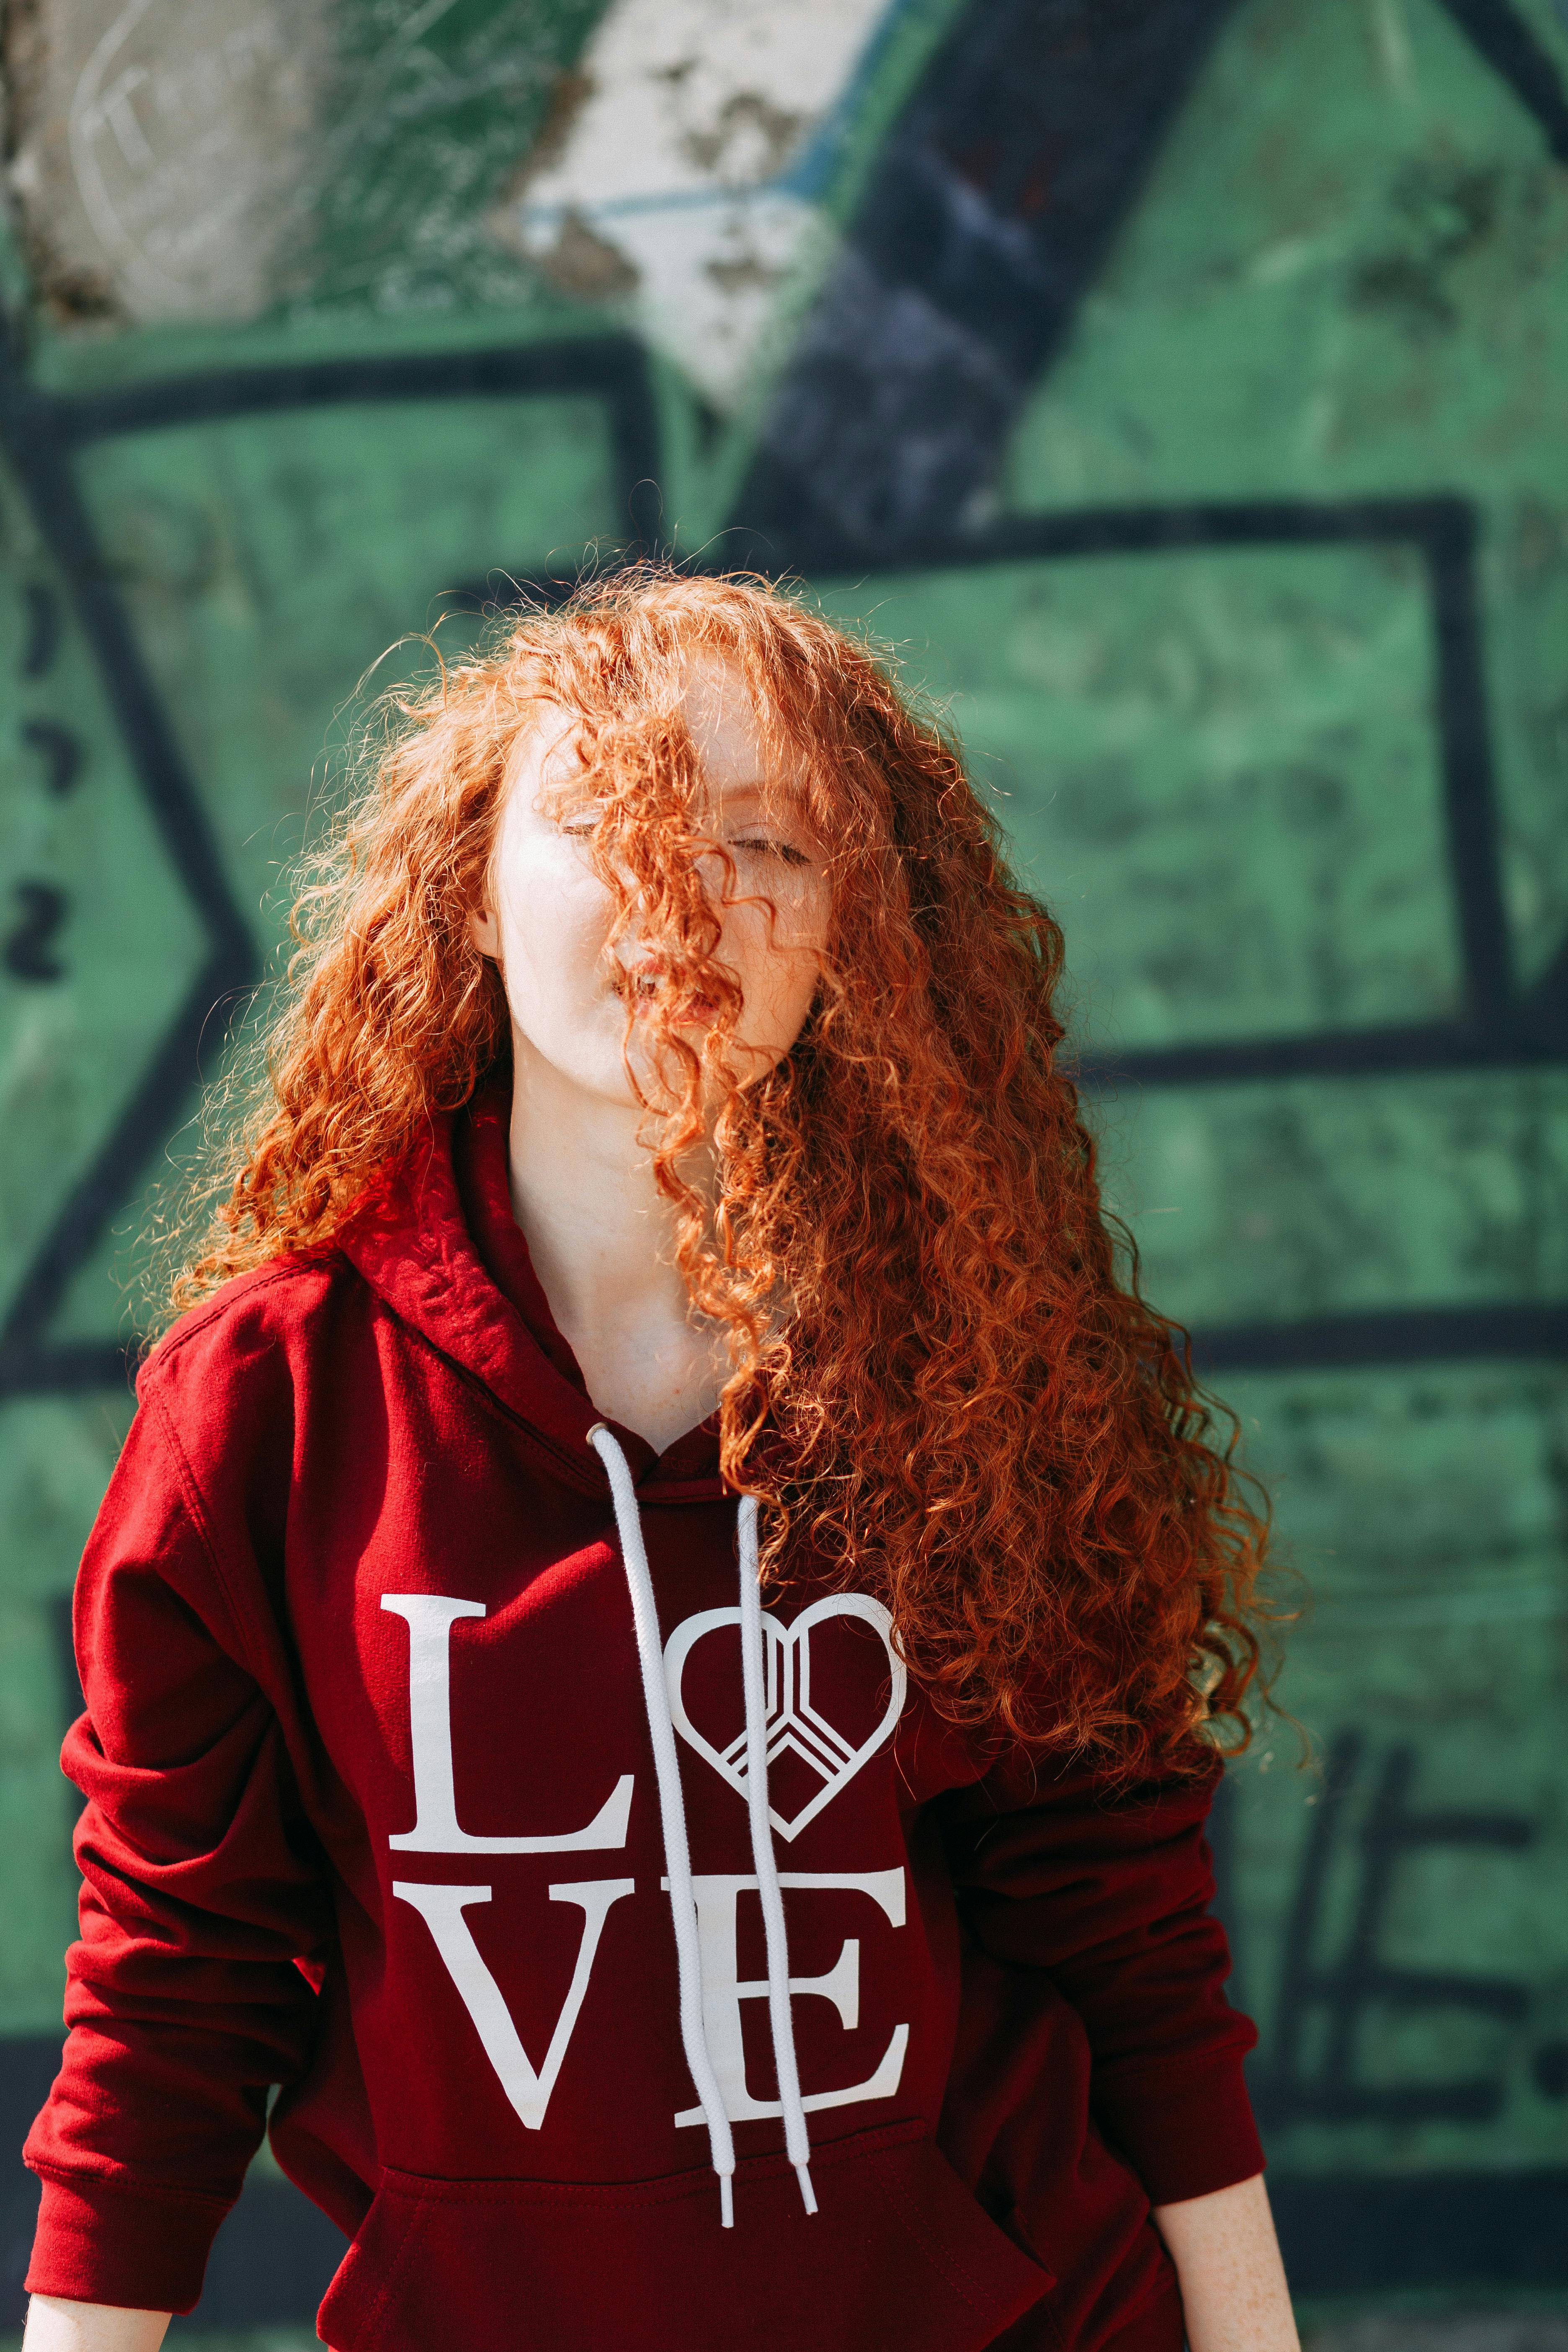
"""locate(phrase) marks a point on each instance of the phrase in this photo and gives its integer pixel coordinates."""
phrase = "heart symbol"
(791, 1722)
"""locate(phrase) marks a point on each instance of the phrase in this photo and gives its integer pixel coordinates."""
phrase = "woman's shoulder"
(224, 1394)
(261, 1318)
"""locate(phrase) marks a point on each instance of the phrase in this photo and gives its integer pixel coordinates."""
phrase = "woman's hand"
(1234, 2294)
(55, 2325)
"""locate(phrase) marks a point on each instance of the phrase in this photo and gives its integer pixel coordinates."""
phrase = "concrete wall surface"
(1178, 386)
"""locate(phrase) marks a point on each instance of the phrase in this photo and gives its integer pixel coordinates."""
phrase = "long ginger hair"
(942, 1375)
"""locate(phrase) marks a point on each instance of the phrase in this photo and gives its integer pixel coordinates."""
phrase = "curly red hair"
(967, 1400)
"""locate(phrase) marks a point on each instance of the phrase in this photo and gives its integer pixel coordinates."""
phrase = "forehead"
(716, 704)
(742, 755)
(543, 757)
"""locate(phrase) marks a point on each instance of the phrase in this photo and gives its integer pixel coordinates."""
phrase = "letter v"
(442, 1907)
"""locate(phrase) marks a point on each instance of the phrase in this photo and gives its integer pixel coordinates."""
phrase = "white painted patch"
(687, 179)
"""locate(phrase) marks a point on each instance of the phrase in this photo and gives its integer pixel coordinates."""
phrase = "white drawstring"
(672, 1814)
(677, 1847)
(797, 2138)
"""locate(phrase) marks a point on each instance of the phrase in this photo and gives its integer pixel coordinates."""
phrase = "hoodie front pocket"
(362, 2305)
(898, 2252)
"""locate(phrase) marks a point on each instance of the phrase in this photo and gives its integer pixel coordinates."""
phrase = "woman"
(674, 1922)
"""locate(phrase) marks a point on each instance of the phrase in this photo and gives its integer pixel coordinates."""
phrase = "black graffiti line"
(43, 629)
(1340, 1768)
(1506, 1833)
(1141, 526)
(608, 364)
(1439, 521)
(39, 455)
(1220, 1832)
(1470, 801)
(39, 431)
(1529, 1037)
(28, 1364)
(1358, 1978)
(1510, 46)
(1501, 1029)
(1475, 2099)
(1357, 1981)
(1366, 1983)
(612, 368)
(1441, 528)
(1410, 1335)
(60, 750)
(67, 1367)
(1545, 1009)
(28, 953)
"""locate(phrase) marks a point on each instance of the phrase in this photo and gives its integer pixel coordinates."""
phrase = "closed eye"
(785, 849)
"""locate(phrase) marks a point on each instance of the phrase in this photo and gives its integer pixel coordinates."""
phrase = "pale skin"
(599, 1234)
(583, 1188)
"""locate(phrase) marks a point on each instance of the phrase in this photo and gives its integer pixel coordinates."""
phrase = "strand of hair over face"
(944, 1384)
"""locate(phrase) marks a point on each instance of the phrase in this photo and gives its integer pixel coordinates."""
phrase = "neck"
(600, 1236)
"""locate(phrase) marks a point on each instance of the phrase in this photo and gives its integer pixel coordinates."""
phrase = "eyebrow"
(762, 794)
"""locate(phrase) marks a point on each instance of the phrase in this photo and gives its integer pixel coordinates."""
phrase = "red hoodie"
(374, 1812)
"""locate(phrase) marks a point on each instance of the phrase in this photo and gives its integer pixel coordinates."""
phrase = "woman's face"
(549, 924)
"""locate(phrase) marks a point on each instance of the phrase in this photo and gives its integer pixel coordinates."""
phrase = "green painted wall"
(1223, 766)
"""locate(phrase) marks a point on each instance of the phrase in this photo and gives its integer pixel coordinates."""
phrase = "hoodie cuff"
(107, 2241)
(1185, 2133)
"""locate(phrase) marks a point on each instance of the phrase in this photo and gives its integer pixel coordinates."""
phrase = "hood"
(440, 1245)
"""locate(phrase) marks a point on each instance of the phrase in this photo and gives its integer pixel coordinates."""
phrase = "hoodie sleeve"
(1107, 1892)
(202, 1889)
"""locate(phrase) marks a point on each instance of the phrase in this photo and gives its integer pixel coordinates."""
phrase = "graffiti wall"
(1178, 386)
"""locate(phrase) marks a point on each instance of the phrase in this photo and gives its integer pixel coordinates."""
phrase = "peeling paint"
(687, 152)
